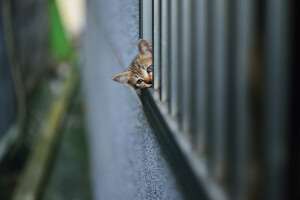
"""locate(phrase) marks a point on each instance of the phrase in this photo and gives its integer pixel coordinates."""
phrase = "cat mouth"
(148, 86)
(148, 81)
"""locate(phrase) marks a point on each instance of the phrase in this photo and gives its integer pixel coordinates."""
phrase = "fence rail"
(221, 92)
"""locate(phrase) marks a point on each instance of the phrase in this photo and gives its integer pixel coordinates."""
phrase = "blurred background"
(220, 122)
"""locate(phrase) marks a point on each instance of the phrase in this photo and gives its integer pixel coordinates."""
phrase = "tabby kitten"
(139, 74)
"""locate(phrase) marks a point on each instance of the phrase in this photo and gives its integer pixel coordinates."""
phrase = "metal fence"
(220, 102)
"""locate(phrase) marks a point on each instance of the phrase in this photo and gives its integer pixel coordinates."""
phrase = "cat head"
(140, 73)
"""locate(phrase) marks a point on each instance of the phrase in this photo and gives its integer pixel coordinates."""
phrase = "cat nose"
(148, 80)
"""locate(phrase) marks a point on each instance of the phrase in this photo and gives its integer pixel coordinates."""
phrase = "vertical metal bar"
(276, 98)
(147, 20)
(165, 58)
(156, 45)
(294, 136)
(186, 66)
(141, 18)
(219, 99)
(200, 48)
(180, 67)
(209, 80)
(174, 55)
(243, 34)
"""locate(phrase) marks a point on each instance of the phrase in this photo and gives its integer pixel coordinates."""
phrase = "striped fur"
(140, 72)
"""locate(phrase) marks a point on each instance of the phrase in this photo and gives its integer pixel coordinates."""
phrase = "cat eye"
(139, 81)
(149, 69)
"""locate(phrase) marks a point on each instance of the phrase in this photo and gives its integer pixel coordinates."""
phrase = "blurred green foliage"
(60, 45)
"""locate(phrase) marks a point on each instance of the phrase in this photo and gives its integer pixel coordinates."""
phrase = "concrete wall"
(30, 20)
(29, 23)
(127, 161)
(7, 95)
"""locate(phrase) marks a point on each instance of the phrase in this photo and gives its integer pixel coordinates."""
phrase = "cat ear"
(145, 48)
(122, 78)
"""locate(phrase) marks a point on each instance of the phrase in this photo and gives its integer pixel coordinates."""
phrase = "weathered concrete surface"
(28, 26)
(126, 159)
(7, 94)
(30, 21)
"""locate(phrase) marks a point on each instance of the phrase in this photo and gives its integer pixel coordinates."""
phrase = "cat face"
(140, 73)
